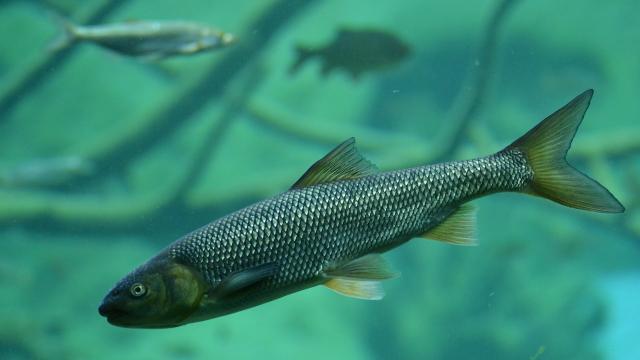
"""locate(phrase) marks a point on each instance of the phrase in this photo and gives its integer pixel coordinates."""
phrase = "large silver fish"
(332, 225)
(148, 39)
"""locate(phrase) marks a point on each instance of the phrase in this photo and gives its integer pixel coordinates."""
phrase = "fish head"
(159, 294)
(401, 50)
(390, 48)
(211, 39)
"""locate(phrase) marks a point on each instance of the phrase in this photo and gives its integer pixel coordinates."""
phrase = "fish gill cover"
(108, 157)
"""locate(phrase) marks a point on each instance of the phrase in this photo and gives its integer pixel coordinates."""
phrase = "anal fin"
(360, 278)
(458, 229)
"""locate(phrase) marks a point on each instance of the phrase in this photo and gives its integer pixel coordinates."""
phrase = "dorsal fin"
(459, 228)
(342, 163)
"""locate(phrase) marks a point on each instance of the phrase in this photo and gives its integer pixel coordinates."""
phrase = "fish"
(146, 39)
(332, 226)
(356, 51)
(47, 171)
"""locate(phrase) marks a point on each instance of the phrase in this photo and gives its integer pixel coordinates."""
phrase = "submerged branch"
(234, 106)
(121, 211)
(108, 215)
(471, 101)
(467, 107)
(209, 87)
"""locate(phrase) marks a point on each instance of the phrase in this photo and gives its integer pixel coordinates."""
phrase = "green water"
(167, 146)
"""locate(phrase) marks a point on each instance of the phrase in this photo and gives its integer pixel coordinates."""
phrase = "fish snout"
(228, 39)
(109, 307)
(106, 308)
(103, 309)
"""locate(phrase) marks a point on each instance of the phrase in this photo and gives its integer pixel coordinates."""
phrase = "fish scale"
(306, 230)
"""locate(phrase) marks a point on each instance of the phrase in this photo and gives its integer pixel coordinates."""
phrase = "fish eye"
(138, 290)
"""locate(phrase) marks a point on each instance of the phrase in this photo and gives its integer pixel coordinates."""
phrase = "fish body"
(356, 52)
(46, 172)
(151, 39)
(310, 231)
(332, 225)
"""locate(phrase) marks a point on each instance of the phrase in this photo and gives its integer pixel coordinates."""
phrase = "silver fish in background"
(46, 171)
(148, 39)
(331, 226)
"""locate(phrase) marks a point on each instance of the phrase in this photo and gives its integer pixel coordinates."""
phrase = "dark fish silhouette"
(331, 226)
(356, 52)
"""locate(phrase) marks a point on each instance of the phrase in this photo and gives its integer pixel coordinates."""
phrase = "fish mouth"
(118, 317)
(114, 315)
(119, 321)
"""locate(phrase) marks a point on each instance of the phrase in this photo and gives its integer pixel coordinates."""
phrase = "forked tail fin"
(67, 36)
(545, 148)
(302, 55)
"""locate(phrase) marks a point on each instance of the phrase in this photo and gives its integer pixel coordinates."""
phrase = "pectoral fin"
(360, 278)
(245, 278)
(459, 228)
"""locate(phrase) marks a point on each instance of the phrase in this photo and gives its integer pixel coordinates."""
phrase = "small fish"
(538, 353)
(147, 39)
(46, 172)
(331, 226)
(355, 51)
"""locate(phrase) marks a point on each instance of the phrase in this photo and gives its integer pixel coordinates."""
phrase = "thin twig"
(207, 150)
(209, 87)
(44, 208)
(470, 102)
(467, 106)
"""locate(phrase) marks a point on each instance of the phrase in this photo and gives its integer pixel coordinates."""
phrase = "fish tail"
(67, 37)
(303, 54)
(545, 148)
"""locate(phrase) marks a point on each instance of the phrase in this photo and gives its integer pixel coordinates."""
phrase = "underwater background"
(106, 159)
